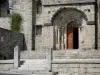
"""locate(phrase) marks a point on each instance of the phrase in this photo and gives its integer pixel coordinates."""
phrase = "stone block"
(92, 73)
(8, 66)
(93, 70)
(54, 65)
(73, 70)
(73, 65)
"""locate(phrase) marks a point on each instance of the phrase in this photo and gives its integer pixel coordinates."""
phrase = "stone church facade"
(68, 30)
(55, 24)
(56, 18)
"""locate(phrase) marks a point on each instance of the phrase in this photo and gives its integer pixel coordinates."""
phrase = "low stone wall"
(6, 65)
(8, 40)
(76, 69)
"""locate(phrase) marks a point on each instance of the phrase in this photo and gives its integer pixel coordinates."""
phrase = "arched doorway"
(72, 37)
(66, 22)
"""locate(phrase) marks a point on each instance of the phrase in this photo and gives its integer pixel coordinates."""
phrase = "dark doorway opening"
(75, 38)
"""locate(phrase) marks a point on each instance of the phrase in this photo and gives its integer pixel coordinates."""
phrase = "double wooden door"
(72, 38)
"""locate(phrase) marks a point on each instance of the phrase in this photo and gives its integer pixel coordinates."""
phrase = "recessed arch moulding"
(64, 18)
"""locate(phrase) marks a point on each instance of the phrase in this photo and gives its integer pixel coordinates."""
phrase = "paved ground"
(13, 74)
(8, 74)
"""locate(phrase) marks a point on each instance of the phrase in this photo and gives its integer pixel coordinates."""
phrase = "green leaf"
(16, 22)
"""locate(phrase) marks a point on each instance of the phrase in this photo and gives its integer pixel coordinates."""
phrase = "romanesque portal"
(67, 22)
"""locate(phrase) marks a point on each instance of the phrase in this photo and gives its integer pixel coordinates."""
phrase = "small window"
(39, 7)
(39, 30)
(4, 8)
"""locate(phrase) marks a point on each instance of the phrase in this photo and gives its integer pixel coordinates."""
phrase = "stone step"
(30, 68)
(35, 61)
(34, 71)
(76, 54)
(33, 65)
(30, 72)
(62, 54)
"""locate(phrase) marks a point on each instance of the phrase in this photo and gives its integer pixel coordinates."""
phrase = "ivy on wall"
(16, 22)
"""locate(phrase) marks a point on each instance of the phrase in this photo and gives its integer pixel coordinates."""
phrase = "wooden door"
(70, 38)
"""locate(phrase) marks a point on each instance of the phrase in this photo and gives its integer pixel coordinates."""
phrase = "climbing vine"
(16, 22)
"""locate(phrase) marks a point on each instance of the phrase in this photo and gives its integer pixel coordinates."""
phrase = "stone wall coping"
(75, 61)
(56, 2)
(6, 61)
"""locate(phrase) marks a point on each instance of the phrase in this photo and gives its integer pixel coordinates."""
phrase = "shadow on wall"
(24, 44)
(8, 40)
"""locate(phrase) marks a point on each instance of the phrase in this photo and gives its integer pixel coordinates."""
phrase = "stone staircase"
(76, 54)
(63, 54)
(36, 63)
(32, 66)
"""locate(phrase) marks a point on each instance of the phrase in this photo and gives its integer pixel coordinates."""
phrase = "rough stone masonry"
(49, 18)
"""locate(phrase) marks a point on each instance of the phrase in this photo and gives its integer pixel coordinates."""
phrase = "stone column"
(58, 38)
(65, 40)
(54, 38)
(56, 31)
(62, 38)
(80, 37)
